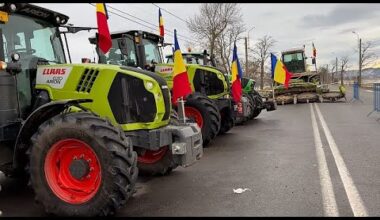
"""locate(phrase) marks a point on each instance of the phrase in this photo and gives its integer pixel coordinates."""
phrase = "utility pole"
(341, 75)
(325, 81)
(360, 63)
(336, 68)
(246, 56)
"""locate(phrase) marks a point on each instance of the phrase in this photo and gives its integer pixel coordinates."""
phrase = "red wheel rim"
(151, 156)
(194, 114)
(59, 159)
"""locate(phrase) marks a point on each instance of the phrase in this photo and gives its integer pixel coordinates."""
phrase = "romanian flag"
(181, 85)
(104, 37)
(161, 23)
(237, 74)
(279, 72)
(314, 51)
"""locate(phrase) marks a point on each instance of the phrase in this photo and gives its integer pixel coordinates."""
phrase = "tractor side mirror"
(122, 42)
(13, 67)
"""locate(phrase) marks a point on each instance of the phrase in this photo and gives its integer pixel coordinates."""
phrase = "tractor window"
(207, 82)
(114, 55)
(152, 53)
(293, 57)
(170, 60)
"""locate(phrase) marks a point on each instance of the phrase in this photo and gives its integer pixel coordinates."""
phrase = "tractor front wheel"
(81, 165)
(158, 162)
(202, 110)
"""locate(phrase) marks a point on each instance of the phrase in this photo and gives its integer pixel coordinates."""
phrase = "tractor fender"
(34, 120)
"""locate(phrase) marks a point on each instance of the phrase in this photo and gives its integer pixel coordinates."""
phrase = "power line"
(149, 23)
(170, 13)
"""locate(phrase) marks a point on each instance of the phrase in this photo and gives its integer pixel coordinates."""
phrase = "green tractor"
(243, 111)
(259, 104)
(80, 132)
(255, 100)
(210, 104)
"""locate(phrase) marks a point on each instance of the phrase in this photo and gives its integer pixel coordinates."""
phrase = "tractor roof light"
(58, 19)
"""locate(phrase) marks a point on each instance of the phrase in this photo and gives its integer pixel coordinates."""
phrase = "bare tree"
(225, 42)
(343, 67)
(262, 49)
(368, 56)
(212, 20)
(323, 72)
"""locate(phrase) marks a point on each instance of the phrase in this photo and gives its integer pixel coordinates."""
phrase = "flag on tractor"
(280, 73)
(161, 23)
(181, 85)
(314, 51)
(236, 74)
(104, 37)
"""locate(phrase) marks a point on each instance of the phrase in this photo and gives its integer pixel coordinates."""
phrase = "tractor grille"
(87, 80)
(130, 102)
(166, 95)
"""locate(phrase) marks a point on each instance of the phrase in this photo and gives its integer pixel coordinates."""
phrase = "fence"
(376, 98)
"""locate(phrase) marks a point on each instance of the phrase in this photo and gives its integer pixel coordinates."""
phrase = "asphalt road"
(300, 160)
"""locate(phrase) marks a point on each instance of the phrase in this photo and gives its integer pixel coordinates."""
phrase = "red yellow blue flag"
(236, 74)
(181, 85)
(161, 23)
(280, 73)
(104, 37)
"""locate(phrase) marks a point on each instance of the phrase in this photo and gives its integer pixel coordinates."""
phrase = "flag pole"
(181, 110)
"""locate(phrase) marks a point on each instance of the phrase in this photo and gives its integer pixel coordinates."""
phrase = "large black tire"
(228, 121)
(115, 157)
(210, 115)
(252, 104)
(258, 103)
(166, 164)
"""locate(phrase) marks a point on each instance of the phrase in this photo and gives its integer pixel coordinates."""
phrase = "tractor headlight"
(2, 5)
(149, 85)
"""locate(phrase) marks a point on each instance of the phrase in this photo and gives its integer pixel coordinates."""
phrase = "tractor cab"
(295, 61)
(29, 36)
(132, 48)
(32, 36)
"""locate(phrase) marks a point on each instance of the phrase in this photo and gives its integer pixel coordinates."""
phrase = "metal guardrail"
(376, 98)
(356, 96)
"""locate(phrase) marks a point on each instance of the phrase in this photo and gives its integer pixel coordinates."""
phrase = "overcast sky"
(329, 26)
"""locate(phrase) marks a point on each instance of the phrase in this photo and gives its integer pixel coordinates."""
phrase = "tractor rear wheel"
(81, 165)
(258, 100)
(253, 106)
(202, 110)
(158, 162)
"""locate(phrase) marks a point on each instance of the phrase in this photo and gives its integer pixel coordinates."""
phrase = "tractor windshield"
(36, 41)
(189, 59)
(152, 51)
(294, 62)
(116, 57)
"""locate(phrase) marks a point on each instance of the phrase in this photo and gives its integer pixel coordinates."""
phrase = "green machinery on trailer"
(74, 129)
(210, 104)
(305, 85)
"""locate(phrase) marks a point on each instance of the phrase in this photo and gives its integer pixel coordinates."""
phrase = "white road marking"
(352, 192)
(330, 207)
